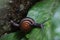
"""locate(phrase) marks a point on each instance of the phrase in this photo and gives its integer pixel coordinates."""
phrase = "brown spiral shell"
(25, 24)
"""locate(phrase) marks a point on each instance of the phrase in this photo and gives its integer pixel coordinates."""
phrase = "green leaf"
(41, 12)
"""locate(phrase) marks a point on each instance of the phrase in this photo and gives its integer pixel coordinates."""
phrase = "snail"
(26, 24)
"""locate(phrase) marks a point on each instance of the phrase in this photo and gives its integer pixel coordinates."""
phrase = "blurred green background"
(41, 11)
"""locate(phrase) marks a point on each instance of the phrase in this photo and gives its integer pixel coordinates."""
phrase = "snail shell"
(25, 24)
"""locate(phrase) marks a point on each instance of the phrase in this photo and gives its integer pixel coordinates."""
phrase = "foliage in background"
(47, 9)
